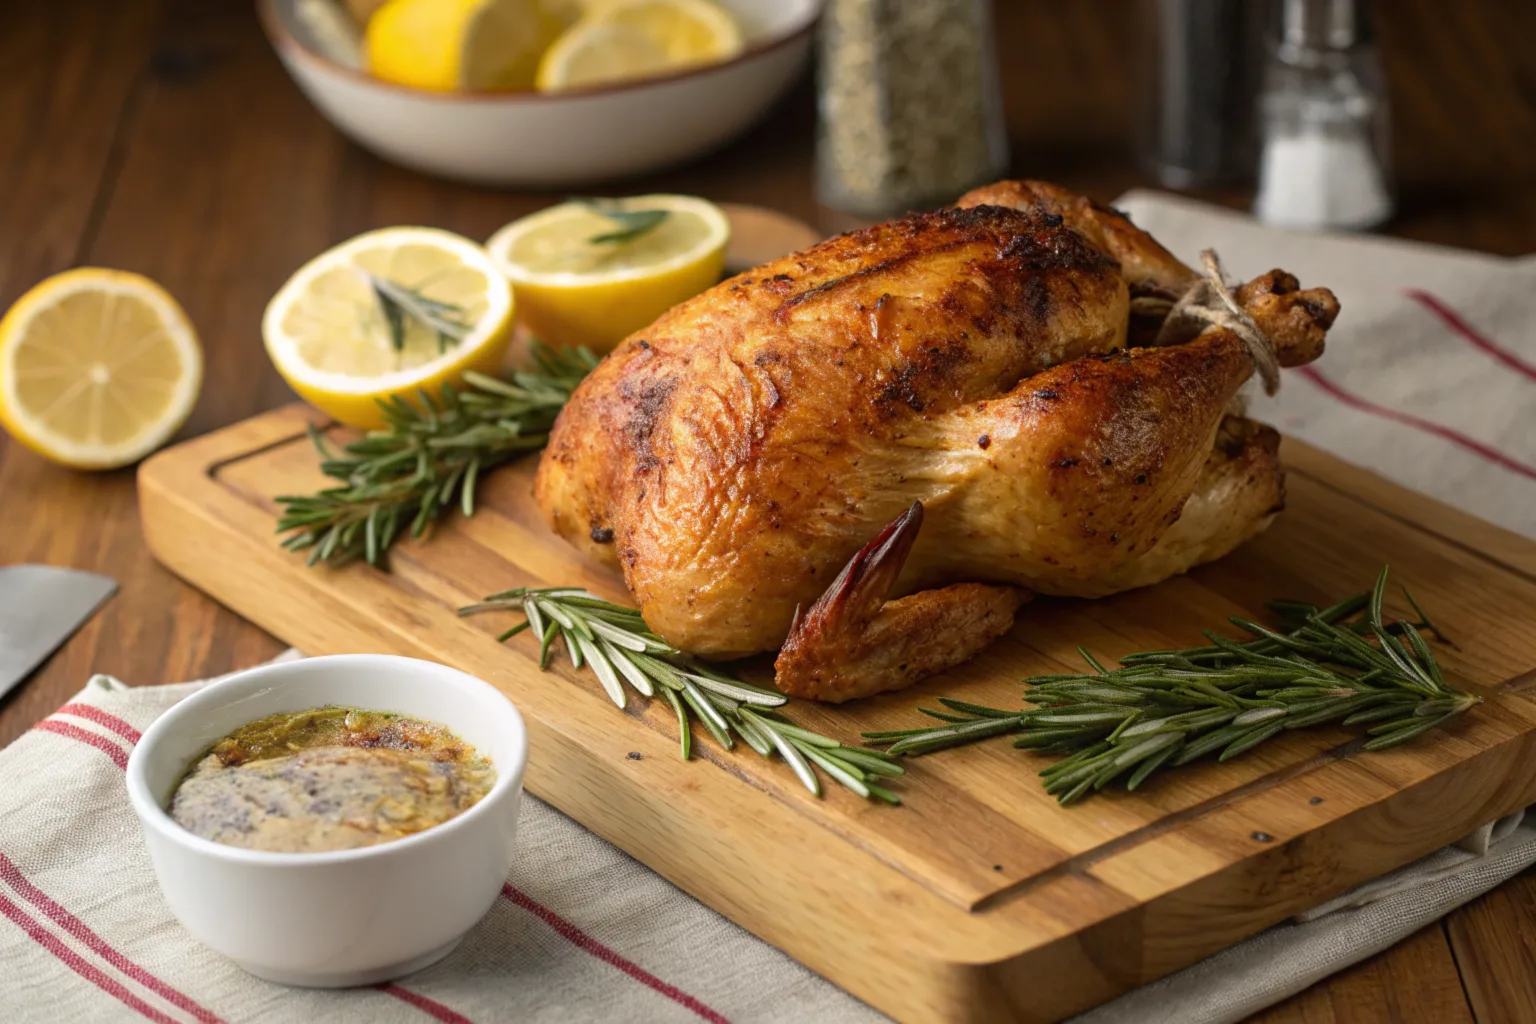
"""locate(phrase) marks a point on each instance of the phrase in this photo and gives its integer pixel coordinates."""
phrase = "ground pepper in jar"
(909, 109)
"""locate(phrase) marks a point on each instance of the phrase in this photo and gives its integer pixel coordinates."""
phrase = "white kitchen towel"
(582, 933)
(1428, 380)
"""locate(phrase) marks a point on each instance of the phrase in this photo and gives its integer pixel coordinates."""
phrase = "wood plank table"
(162, 136)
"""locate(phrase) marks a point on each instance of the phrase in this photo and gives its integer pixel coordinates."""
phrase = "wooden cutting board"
(980, 898)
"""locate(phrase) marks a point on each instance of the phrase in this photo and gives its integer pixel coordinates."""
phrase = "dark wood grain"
(163, 136)
(1413, 981)
(1494, 941)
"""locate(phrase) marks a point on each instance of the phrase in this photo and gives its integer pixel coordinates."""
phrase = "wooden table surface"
(162, 136)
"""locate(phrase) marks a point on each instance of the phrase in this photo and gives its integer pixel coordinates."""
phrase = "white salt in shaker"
(1323, 158)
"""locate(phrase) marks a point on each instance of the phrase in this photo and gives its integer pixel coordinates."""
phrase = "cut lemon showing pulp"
(594, 54)
(389, 313)
(690, 31)
(621, 40)
(448, 45)
(98, 368)
(572, 290)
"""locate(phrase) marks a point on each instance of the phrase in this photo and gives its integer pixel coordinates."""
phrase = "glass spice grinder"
(909, 112)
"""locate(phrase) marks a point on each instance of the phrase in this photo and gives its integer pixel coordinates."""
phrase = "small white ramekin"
(349, 917)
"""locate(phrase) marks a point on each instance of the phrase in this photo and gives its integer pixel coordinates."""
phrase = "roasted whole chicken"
(868, 454)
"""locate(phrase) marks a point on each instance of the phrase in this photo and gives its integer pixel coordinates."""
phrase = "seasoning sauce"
(329, 778)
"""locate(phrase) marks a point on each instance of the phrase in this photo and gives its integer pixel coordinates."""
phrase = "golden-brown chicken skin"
(732, 457)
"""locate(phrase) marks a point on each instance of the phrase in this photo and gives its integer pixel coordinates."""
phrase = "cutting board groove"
(980, 898)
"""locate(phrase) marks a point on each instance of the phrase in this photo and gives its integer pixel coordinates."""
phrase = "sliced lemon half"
(623, 40)
(449, 45)
(572, 290)
(388, 313)
(594, 54)
(98, 368)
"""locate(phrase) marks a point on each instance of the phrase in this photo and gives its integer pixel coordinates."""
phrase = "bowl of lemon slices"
(541, 92)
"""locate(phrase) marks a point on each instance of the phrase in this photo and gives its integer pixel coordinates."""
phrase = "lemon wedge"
(386, 314)
(572, 290)
(451, 45)
(622, 40)
(98, 368)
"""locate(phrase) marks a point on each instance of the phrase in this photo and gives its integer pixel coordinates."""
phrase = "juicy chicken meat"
(879, 447)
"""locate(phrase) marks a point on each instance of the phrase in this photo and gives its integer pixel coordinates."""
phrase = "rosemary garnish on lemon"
(628, 225)
(399, 303)
(621, 649)
(1343, 663)
(427, 459)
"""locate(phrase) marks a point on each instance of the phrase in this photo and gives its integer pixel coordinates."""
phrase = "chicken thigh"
(878, 447)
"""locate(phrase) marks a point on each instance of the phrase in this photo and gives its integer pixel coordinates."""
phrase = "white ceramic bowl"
(349, 917)
(564, 139)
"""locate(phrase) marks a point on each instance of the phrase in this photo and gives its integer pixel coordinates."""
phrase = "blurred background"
(132, 128)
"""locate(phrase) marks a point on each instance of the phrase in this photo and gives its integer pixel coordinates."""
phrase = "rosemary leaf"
(684, 734)
(400, 304)
(628, 225)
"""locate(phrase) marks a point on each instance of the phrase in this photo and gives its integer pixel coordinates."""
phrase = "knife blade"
(41, 606)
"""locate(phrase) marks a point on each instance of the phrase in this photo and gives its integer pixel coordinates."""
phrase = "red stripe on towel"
(1455, 437)
(581, 940)
(75, 962)
(94, 739)
(101, 718)
(431, 1007)
(1470, 334)
(11, 875)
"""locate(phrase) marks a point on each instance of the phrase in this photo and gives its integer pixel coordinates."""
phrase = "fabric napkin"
(582, 933)
(1430, 379)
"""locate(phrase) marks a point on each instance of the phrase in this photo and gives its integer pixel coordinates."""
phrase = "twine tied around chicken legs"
(1209, 301)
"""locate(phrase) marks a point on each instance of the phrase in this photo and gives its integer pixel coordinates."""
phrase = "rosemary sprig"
(399, 304)
(1343, 664)
(628, 224)
(621, 649)
(427, 459)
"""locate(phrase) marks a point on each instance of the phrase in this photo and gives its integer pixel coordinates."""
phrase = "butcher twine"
(1209, 301)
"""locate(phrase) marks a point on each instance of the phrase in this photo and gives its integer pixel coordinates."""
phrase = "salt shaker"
(1324, 153)
(909, 112)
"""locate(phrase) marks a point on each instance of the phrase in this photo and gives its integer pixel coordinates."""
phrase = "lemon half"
(573, 291)
(449, 45)
(623, 40)
(343, 346)
(98, 368)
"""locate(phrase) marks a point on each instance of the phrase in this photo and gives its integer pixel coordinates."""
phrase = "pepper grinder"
(1198, 71)
(1323, 161)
